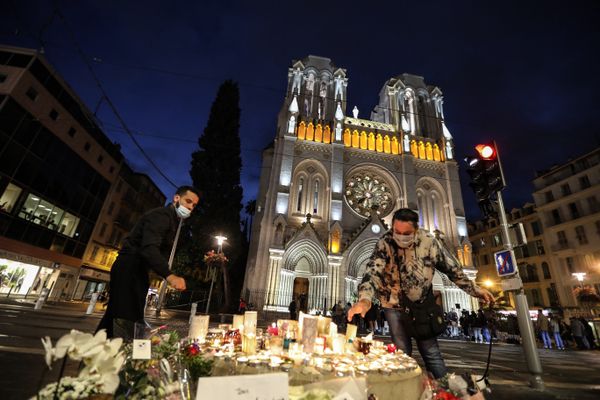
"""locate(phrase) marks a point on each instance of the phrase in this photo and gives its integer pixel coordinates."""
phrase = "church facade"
(330, 183)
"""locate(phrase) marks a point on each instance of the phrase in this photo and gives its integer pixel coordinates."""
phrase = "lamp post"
(220, 240)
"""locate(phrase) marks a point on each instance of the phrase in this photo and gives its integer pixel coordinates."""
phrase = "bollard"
(40, 301)
(193, 311)
(92, 304)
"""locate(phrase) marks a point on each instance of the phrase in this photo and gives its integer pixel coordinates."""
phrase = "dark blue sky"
(523, 73)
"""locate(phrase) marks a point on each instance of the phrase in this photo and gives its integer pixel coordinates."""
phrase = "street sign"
(505, 263)
(514, 283)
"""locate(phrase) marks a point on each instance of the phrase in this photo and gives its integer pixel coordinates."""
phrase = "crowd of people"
(552, 331)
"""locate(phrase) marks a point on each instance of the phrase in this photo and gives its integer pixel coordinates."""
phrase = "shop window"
(9, 197)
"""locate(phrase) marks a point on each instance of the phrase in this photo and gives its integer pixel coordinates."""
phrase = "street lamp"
(220, 240)
(488, 283)
(580, 277)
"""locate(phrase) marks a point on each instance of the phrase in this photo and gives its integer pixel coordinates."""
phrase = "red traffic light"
(486, 151)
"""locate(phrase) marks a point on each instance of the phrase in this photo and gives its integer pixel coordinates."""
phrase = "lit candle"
(338, 344)
(319, 346)
(238, 322)
(250, 319)
(199, 327)
(323, 325)
(351, 332)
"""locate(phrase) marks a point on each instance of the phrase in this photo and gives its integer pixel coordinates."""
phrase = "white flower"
(50, 353)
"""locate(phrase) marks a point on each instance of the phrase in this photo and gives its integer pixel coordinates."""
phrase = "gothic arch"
(358, 256)
(309, 251)
(432, 200)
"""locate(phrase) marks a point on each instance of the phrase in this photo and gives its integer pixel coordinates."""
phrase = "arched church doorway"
(300, 293)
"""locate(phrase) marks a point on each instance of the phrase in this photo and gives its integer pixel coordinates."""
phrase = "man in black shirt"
(147, 247)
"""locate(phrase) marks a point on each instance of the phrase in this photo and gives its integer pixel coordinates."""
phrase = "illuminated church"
(331, 181)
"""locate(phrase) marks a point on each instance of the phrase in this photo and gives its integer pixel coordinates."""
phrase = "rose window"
(365, 190)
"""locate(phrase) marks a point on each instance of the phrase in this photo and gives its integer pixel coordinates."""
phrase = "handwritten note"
(244, 387)
(142, 349)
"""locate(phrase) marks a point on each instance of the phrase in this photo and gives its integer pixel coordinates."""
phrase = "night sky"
(526, 74)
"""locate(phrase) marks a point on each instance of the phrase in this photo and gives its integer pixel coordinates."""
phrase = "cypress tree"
(215, 172)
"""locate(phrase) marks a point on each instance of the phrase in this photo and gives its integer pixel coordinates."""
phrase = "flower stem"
(60, 374)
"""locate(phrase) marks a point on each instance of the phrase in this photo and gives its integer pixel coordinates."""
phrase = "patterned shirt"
(393, 271)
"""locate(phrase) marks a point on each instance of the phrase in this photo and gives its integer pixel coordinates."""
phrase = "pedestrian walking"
(292, 308)
(578, 332)
(555, 327)
(542, 325)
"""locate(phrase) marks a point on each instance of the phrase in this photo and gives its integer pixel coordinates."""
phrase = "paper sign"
(244, 387)
(142, 349)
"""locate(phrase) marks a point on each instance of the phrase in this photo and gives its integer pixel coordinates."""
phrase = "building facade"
(563, 236)
(67, 197)
(331, 183)
(128, 199)
(541, 280)
(567, 197)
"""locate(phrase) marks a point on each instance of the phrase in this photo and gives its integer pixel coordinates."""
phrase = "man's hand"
(360, 307)
(176, 282)
(485, 295)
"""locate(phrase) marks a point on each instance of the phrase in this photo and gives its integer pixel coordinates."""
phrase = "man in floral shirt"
(403, 264)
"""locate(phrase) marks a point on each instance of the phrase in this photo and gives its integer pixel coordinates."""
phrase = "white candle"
(351, 332)
(338, 345)
(199, 327)
(238, 322)
(250, 319)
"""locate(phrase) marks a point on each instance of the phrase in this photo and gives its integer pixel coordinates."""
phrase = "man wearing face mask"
(403, 264)
(147, 247)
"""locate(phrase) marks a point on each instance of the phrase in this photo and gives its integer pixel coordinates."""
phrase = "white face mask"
(182, 212)
(404, 241)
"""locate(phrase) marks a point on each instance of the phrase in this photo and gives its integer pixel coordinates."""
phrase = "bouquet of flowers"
(212, 257)
(102, 360)
(586, 294)
(452, 387)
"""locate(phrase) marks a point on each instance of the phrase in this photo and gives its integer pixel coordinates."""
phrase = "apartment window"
(552, 296)
(497, 240)
(546, 270)
(565, 189)
(593, 204)
(71, 132)
(556, 216)
(584, 182)
(549, 196)
(111, 169)
(87, 146)
(94, 253)
(111, 207)
(9, 197)
(53, 115)
(570, 264)
(31, 93)
(573, 210)
(580, 234)
(100, 159)
(3, 78)
(102, 229)
(486, 259)
(562, 239)
(482, 241)
(537, 300)
(539, 247)
(119, 185)
(598, 228)
(104, 257)
(536, 228)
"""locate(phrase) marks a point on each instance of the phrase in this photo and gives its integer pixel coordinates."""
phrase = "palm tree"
(250, 210)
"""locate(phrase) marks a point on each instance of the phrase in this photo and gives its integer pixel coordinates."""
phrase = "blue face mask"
(182, 212)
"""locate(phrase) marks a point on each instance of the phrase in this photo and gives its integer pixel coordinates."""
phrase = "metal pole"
(163, 286)
(525, 326)
(212, 282)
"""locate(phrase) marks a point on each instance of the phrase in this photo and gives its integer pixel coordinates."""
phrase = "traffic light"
(485, 171)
